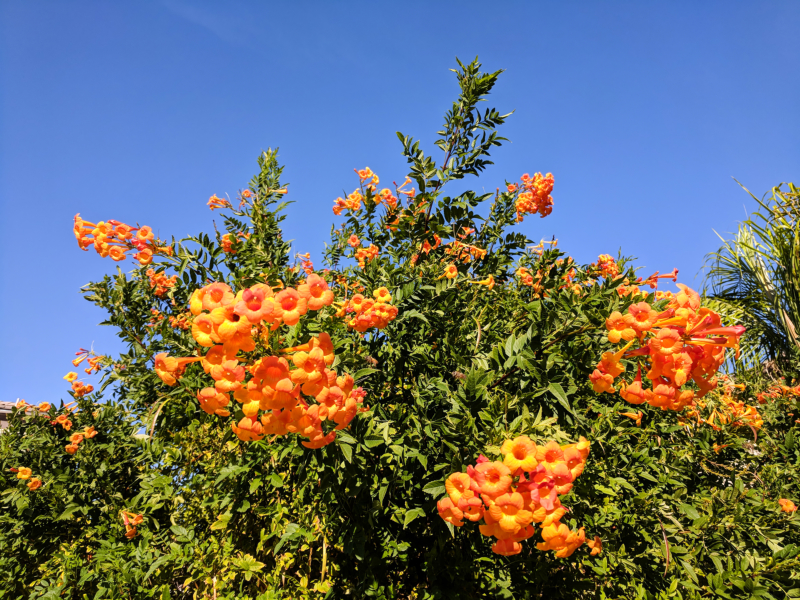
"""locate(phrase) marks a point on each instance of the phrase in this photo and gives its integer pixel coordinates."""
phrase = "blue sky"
(139, 111)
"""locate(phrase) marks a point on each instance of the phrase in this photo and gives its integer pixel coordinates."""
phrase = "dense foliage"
(180, 491)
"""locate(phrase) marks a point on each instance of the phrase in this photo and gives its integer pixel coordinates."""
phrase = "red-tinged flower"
(71, 448)
(451, 272)
(76, 438)
(353, 241)
(787, 505)
(450, 512)
(34, 484)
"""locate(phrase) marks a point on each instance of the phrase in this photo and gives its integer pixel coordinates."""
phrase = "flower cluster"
(787, 505)
(364, 313)
(366, 255)
(510, 496)
(79, 388)
(76, 438)
(26, 474)
(464, 252)
(535, 197)
(685, 342)
(115, 239)
(160, 282)
(181, 321)
(131, 520)
(606, 266)
(89, 356)
(778, 391)
(228, 323)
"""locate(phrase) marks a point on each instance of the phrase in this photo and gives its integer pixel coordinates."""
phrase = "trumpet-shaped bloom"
(471, 507)
(602, 382)
(450, 512)
(24, 473)
(34, 484)
(213, 402)
(644, 317)
(493, 478)
(507, 510)
(787, 505)
(217, 295)
(596, 546)
(637, 417)
(292, 304)
(507, 547)
(253, 304)
(451, 271)
(620, 327)
(248, 430)
(667, 341)
(520, 453)
(204, 330)
(228, 376)
(457, 485)
(550, 455)
(316, 292)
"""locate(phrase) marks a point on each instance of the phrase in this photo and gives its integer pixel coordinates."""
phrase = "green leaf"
(221, 522)
(276, 480)
(689, 511)
(561, 396)
(373, 440)
(363, 373)
(347, 451)
(435, 488)
(411, 515)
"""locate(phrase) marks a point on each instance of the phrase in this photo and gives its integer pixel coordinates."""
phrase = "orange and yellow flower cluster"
(364, 313)
(228, 323)
(778, 391)
(366, 255)
(513, 494)
(131, 520)
(26, 474)
(685, 342)
(160, 282)
(76, 438)
(606, 266)
(115, 239)
(535, 195)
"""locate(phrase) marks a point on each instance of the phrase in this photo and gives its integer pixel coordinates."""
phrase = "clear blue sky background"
(139, 111)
